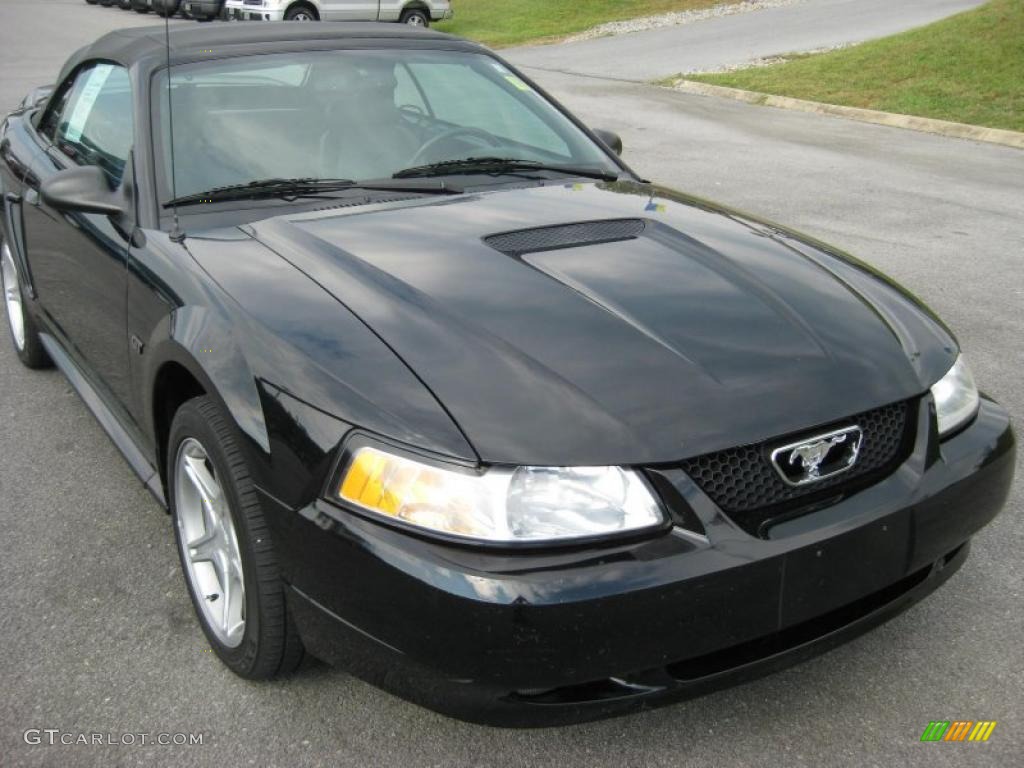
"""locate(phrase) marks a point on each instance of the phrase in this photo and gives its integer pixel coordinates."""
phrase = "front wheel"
(24, 334)
(225, 547)
(414, 17)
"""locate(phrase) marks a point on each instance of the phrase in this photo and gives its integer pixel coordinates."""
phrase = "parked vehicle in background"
(165, 7)
(141, 6)
(203, 10)
(417, 13)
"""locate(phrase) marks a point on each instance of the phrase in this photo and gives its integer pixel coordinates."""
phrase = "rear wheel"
(24, 334)
(300, 12)
(415, 17)
(225, 548)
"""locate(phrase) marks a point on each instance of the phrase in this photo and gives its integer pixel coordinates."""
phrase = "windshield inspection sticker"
(85, 103)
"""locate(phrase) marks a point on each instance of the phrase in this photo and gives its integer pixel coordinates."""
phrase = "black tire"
(166, 8)
(31, 351)
(270, 645)
(300, 11)
(415, 17)
(124, 5)
(92, 2)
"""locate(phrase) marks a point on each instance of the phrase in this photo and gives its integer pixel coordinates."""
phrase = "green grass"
(968, 68)
(500, 23)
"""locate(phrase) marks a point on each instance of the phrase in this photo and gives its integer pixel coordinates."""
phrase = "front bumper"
(202, 8)
(568, 635)
(240, 12)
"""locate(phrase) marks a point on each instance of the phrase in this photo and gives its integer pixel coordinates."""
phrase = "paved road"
(736, 39)
(97, 633)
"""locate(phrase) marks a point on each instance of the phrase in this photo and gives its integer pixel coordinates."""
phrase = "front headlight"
(956, 397)
(501, 504)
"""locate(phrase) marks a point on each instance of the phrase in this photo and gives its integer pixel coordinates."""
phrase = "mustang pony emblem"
(811, 455)
(818, 458)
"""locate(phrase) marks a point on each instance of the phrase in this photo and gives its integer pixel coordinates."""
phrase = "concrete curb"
(925, 124)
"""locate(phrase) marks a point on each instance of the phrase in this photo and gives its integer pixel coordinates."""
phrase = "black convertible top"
(140, 44)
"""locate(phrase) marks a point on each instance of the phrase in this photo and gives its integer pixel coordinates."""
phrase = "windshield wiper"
(500, 165)
(292, 189)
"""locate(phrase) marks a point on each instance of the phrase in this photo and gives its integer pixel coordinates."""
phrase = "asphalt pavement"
(733, 40)
(97, 633)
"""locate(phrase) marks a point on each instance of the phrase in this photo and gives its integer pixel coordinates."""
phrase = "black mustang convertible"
(435, 388)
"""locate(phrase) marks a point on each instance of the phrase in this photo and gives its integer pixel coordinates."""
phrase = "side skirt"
(111, 425)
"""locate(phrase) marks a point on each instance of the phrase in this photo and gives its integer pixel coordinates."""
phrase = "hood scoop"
(523, 241)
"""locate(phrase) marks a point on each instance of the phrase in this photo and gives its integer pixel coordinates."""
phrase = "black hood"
(603, 324)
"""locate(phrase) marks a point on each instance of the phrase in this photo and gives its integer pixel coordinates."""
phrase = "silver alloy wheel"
(209, 543)
(12, 297)
(303, 16)
(415, 20)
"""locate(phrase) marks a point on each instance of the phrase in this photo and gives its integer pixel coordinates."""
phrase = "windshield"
(353, 115)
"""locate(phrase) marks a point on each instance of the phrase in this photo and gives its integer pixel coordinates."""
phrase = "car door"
(349, 10)
(78, 260)
(390, 10)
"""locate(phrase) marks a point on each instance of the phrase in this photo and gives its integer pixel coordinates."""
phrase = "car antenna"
(176, 234)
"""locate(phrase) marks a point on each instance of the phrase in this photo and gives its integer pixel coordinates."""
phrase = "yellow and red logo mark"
(958, 730)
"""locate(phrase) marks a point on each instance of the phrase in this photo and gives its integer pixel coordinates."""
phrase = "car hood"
(618, 323)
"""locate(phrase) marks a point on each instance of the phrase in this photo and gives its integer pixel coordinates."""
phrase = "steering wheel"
(486, 138)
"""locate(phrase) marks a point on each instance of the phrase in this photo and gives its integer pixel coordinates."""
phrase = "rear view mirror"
(611, 139)
(81, 190)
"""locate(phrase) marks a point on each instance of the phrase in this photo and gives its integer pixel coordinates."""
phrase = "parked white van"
(417, 13)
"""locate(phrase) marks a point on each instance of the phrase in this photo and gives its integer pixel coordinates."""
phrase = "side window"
(48, 125)
(95, 125)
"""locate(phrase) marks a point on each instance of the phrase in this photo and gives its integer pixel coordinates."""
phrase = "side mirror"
(81, 190)
(611, 139)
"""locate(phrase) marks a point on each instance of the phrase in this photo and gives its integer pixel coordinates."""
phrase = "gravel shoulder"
(676, 19)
